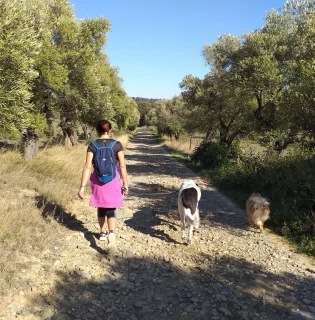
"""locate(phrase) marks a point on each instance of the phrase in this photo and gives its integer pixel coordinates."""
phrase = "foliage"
(261, 81)
(53, 65)
(211, 155)
(19, 46)
(167, 116)
(226, 107)
(144, 106)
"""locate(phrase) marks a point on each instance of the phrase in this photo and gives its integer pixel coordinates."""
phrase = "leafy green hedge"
(210, 155)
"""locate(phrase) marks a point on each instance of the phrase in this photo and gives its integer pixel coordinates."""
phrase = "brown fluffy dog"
(257, 210)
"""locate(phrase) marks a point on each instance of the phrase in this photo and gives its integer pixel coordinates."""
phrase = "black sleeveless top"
(105, 143)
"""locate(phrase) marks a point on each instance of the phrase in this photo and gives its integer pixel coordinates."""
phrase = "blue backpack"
(105, 162)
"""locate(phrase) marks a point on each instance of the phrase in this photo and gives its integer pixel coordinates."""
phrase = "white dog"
(188, 199)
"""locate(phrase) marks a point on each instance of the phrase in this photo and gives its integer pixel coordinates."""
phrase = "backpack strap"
(114, 142)
(95, 145)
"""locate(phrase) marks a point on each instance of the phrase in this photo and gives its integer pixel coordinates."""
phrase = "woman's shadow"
(56, 212)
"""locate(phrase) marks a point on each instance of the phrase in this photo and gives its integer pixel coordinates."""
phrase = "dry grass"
(249, 147)
(183, 145)
(123, 140)
(54, 176)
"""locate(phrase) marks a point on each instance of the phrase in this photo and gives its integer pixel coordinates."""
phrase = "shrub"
(211, 155)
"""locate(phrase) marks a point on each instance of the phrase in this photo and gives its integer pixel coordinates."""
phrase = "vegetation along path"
(229, 272)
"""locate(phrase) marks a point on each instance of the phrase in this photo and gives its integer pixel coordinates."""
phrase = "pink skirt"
(106, 195)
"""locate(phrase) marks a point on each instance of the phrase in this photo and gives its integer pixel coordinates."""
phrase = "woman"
(106, 197)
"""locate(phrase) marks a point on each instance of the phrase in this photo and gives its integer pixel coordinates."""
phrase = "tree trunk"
(190, 141)
(160, 133)
(269, 123)
(85, 132)
(30, 142)
(69, 133)
(49, 120)
(71, 138)
(209, 134)
(281, 145)
(223, 136)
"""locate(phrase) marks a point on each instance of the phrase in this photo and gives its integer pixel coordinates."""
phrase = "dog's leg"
(182, 217)
(250, 222)
(197, 220)
(191, 224)
(181, 211)
(261, 226)
(191, 228)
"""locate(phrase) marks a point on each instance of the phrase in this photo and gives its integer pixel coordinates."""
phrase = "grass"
(183, 145)
(54, 176)
(182, 158)
(250, 147)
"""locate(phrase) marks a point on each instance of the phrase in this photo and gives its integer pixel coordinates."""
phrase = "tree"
(144, 106)
(259, 71)
(97, 91)
(19, 46)
(134, 114)
(224, 104)
(198, 111)
(168, 117)
(70, 82)
(297, 107)
(287, 84)
(81, 44)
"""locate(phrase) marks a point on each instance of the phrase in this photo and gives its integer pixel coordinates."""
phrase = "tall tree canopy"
(19, 48)
(54, 65)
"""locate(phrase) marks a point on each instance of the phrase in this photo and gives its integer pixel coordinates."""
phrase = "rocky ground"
(229, 272)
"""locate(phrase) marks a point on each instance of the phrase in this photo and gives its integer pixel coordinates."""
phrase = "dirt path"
(230, 271)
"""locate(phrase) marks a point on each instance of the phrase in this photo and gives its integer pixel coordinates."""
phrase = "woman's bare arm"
(85, 174)
(123, 171)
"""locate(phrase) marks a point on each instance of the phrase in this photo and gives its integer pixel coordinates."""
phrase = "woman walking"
(106, 197)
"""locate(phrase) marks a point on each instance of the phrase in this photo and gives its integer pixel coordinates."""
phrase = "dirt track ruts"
(229, 272)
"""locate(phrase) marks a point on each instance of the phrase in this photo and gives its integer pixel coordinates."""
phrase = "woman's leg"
(101, 215)
(111, 222)
(108, 214)
(101, 221)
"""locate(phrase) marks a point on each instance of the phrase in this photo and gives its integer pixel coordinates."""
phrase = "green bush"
(210, 155)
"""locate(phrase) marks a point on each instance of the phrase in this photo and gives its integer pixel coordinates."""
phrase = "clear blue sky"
(155, 43)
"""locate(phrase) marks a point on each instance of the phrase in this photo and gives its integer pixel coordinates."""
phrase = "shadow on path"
(159, 201)
(138, 288)
(55, 211)
(145, 148)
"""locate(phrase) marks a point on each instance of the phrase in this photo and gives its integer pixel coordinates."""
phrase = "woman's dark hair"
(103, 126)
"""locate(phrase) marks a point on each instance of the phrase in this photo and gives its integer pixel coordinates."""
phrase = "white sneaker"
(111, 248)
(103, 236)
